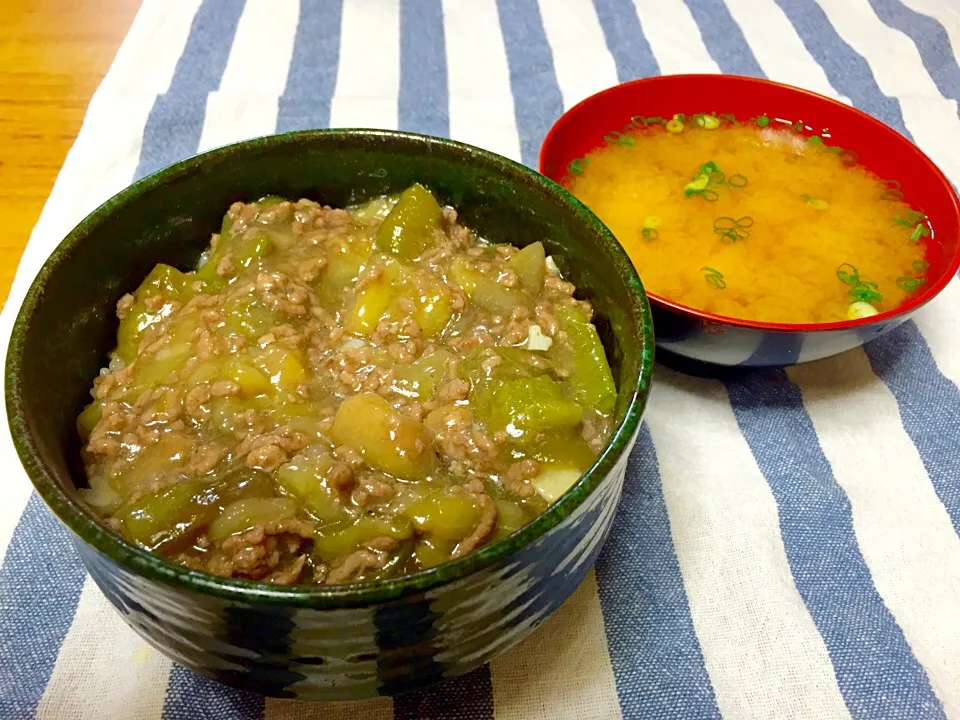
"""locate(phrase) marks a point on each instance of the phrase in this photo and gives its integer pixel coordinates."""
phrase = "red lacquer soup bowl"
(698, 335)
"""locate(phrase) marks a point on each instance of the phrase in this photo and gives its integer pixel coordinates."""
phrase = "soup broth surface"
(756, 223)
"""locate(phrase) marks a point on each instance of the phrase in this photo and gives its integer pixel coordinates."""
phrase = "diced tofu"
(536, 340)
(551, 266)
(552, 482)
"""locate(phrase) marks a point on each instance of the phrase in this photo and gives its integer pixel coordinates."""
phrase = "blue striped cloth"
(787, 546)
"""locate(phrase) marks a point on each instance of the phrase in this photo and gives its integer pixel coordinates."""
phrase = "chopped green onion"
(859, 310)
(815, 140)
(892, 190)
(920, 265)
(737, 181)
(714, 277)
(650, 234)
(732, 230)
(910, 218)
(815, 202)
(862, 293)
(675, 126)
(697, 185)
(860, 290)
(763, 121)
(619, 138)
(576, 166)
(849, 158)
(920, 231)
(909, 284)
(848, 274)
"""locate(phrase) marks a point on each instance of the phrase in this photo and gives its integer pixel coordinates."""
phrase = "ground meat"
(508, 279)
(226, 267)
(340, 476)
(281, 294)
(369, 276)
(595, 429)
(205, 459)
(124, 305)
(258, 436)
(373, 556)
(372, 489)
(461, 236)
(222, 388)
(386, 332)
(557, 287)
(517, 329)
(354, 565)
(487, 524)
(477, 337)
(272, 552)
(266, 458)
(405, 351)
(458, 438)
(287, 575)
(453, 390)
(335, 217)
(195, 400)
(348, 455)
(275, 213)
(518, 476)
(309, 270)
(546, 321)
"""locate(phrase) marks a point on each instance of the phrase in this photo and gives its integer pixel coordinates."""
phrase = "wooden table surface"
(53, 54)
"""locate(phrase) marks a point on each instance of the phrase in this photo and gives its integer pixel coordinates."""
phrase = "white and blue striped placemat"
(787, 546)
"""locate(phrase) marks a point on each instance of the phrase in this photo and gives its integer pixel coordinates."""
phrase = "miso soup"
(755, 220)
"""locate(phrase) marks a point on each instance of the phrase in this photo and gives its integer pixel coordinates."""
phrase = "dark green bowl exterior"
(321, 643)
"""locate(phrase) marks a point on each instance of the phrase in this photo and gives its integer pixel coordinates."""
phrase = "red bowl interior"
(881, 149)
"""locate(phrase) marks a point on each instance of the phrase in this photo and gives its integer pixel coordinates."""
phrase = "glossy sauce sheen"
(343, 395)
(784, 228)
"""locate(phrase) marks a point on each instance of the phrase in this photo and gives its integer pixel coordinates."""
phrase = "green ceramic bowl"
(340, 642)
